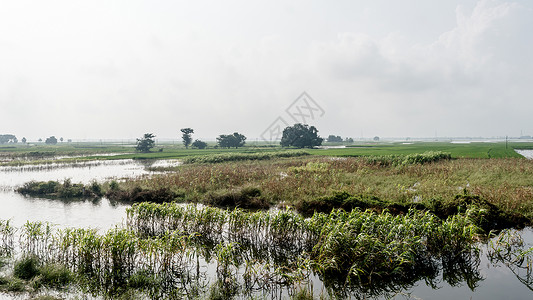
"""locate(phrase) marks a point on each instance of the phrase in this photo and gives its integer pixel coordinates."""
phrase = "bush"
(26, 268)
(247, 197)
(55, 275)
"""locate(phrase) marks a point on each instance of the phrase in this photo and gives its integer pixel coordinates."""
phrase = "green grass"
(44, 153)
(472, 150)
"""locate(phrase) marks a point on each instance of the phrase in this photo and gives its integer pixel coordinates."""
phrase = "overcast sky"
(119, 69)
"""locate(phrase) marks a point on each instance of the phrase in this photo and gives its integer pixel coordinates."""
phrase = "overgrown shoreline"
(430, 181)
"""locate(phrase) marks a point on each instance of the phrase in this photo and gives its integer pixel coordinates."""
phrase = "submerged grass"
(161, 251)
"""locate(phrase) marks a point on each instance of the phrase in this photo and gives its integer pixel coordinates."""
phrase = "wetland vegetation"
(274, 223)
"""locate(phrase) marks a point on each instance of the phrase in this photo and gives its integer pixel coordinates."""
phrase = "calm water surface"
(68, 213)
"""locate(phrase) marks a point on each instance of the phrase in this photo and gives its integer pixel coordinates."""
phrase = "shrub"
(26, 268)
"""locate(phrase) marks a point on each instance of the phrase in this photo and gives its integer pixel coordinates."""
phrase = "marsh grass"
(161, 251)
(228, 157)
(314, 183)
(67, 189)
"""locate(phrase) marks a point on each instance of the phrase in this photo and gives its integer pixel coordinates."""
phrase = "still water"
(99, 213)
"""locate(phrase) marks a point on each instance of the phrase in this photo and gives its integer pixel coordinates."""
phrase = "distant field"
(471, 150)
(92, 151)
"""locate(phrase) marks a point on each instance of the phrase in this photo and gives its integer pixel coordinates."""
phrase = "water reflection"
(68, 213)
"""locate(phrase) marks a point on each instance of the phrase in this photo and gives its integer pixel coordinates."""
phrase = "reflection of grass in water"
(509, 248)
(161, 252)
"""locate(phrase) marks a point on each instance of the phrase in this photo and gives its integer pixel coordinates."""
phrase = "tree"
(61, 139)
(349, 140)
(199, 144)
(51, 140)
(301, 135)
(146, 143)
(24, 140)
(186, 136)
(334, 139)
(376, 138)
(8, 138)
(40, 140)
(231, 140)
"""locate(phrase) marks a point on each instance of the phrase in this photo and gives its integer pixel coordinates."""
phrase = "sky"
(410, 68)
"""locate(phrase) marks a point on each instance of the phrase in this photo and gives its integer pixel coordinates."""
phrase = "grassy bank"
(302, 182)
(430, 181)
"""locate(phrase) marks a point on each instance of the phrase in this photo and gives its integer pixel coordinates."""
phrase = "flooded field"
(483, 276)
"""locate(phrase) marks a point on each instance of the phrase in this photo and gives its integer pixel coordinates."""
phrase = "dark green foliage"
(51, 140)
(234, 140)
(67, 189)
(247, 197)
(146, 143)
(199, 144)
(300, 136)
(26, 268)
(55, 275)
(490, 217)
(334, 139)
(138, 194)
(186, 136)
(226, 157)
(338, 200)
(7, 138)
(402, 160)
(113, 185)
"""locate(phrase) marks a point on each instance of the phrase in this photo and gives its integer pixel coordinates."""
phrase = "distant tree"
(231, 140)
(186, 136)
(61, 139)
(376, 138)
(8, 138)
(301, 136)
(69, 141)
(24, 140)
(199, 144)
(334, 139)
(145, 143)
(40, 139)
(348, 140)
(51, 140)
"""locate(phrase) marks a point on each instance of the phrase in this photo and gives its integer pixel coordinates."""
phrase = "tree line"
(298, 135)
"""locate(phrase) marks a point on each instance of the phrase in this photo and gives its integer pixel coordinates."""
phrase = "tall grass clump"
(227, 157)
(7, 233)
(56, 189)
(410, 159)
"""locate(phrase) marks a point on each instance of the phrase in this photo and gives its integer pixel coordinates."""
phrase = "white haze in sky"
(118, 69)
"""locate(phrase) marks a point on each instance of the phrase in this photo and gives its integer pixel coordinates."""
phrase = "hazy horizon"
(117, 70)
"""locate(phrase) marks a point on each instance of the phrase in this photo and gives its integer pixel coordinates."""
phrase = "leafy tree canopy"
(199, 144)
(301, 136)
(7, 138)
(145, 143)
(334, 139)
(186, 136)
(231, 140)
(51, 140)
